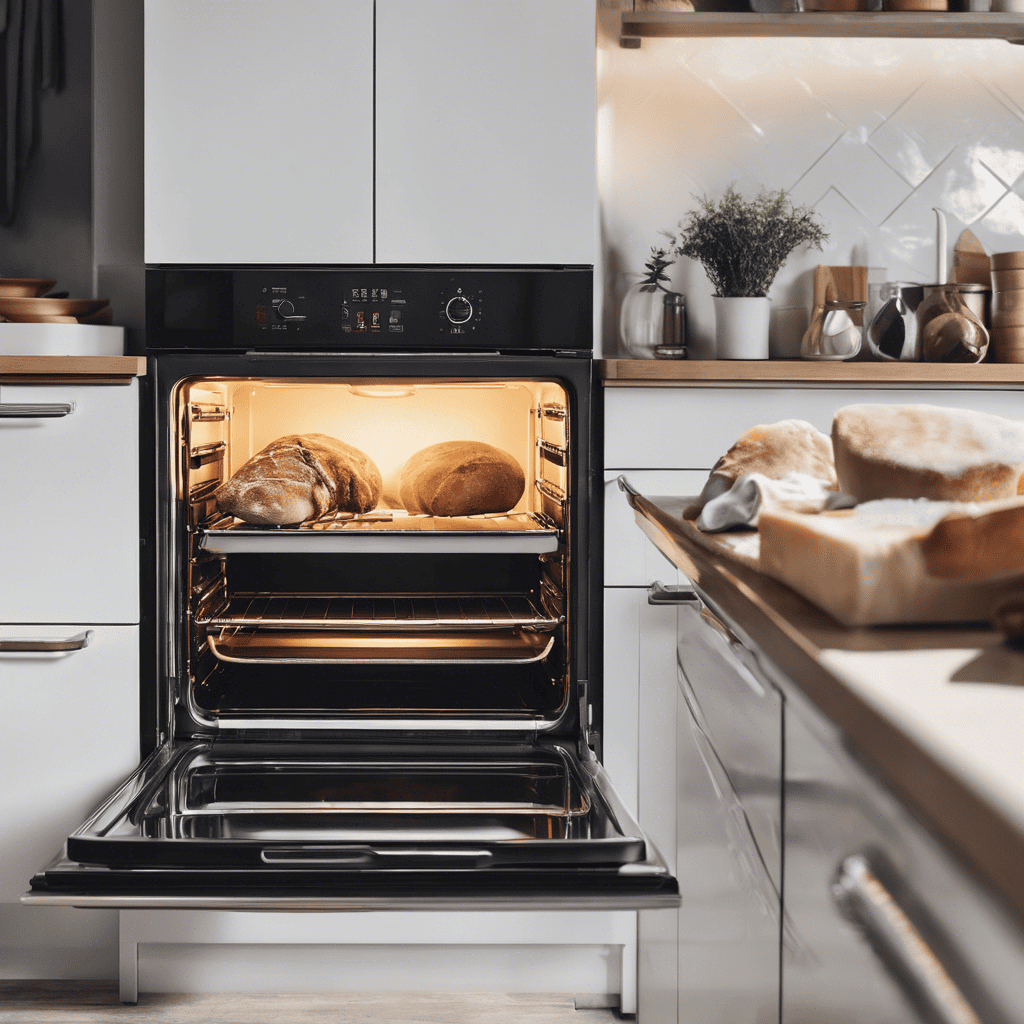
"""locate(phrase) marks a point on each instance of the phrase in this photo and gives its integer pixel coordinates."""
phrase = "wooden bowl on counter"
(24, 287)
(1008, 261)
(27, 310)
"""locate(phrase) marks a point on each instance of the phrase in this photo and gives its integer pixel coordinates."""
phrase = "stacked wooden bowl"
(22, 302)
(1008, 306)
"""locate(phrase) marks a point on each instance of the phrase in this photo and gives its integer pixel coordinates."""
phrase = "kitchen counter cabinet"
(665, 438)
(903, 806)
(69, 630)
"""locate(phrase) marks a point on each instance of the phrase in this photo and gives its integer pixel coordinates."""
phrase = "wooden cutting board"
(971, 264)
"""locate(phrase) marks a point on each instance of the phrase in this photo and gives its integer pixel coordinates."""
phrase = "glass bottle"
(833, 333)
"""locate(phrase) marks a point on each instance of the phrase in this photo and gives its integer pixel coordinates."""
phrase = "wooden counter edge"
(71, 369)
(734, 373)
(988, 845)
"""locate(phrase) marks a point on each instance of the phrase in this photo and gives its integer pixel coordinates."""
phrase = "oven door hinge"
(589, 745)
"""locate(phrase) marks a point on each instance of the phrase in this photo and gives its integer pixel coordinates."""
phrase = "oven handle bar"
(35, 410)
(77, 642)
(365, 856)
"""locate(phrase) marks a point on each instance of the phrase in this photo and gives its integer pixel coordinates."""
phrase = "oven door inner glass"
(358, 807)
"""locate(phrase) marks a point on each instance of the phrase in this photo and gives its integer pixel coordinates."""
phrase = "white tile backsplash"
(870, 132)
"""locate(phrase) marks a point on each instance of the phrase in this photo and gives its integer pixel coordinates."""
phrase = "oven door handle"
(357, 856)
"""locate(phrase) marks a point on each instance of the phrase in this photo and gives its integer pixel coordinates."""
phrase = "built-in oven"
(385, 708)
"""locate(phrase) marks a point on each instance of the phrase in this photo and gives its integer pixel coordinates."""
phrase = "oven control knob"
(459, 309)
(286, 310)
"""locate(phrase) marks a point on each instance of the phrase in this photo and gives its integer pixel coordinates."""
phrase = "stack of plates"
(1008, 306)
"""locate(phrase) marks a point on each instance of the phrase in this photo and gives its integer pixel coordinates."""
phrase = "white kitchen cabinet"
(259, 131)
(69, 734)
(691, 428)
(301, 131)
(485, 131)
(69, 518)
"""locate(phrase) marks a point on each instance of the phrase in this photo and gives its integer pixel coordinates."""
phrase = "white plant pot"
(741, 327)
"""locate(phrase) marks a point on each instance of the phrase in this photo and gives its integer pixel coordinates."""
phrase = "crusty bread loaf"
(867, 566)
(923, 451)
(978, 545)
(461, 478)
(774, 450)
(300, 477)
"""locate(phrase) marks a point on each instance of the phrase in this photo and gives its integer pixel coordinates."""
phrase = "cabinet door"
(69, 517)
(485, 131)
(728, 824)
(883, 925)
(259, 131)
(68, 734)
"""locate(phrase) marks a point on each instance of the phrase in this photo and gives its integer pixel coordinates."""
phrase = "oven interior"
(368, 621)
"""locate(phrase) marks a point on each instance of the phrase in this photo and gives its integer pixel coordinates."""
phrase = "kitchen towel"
(32, 57)
(754, 493)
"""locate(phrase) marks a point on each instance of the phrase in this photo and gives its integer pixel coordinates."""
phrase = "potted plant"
(742, 245)
(643, 307)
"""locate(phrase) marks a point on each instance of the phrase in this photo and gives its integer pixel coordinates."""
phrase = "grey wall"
(52, 232)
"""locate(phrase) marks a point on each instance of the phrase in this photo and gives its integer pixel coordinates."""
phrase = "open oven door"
(229, 826)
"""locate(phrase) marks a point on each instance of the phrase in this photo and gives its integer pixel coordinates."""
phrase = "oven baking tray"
(264, 647)
(414, 613)
(383, 532)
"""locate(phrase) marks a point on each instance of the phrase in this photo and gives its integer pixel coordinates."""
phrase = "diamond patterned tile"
(946, 112)
(1002, 228)
(908, 153)
(854, 169)
(962, 187)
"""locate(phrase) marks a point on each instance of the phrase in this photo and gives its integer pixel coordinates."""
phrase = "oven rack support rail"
(383, 532)
(413, 613)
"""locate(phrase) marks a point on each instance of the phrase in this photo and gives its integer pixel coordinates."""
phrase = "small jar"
(833, 332)
(673, 328)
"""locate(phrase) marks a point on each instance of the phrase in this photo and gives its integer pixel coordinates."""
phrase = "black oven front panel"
(368, 309)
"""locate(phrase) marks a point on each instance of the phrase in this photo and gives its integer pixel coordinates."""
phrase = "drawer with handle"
(69, 733)
(69, 518)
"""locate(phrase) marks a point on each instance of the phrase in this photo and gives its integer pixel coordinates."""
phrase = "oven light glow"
(382, 390)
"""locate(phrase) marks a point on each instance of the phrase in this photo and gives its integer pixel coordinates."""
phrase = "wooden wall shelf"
(860, 24)
(631, 373)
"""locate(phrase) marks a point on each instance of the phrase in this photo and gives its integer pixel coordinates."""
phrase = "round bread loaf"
(924, 451)
(461, 478)
(300, 477)
(775, 450)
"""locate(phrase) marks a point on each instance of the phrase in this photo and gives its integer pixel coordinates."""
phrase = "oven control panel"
(361, 309)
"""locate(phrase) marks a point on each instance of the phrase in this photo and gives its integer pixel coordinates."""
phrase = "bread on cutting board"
(926, 451)
(872, 565)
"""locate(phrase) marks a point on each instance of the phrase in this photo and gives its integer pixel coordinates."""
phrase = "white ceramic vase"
(741, 327)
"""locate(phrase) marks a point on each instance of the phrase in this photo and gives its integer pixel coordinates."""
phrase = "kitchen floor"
(97, 1003)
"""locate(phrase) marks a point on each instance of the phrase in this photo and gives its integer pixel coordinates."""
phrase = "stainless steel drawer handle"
(35, 410)
(865, 900)
(73, 643)
(658, 593)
